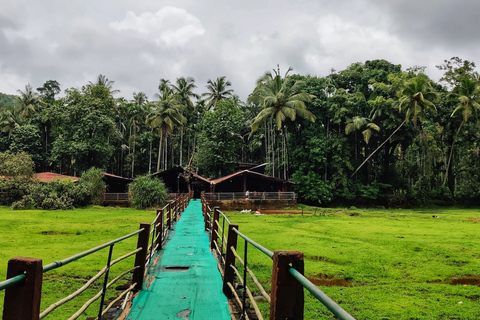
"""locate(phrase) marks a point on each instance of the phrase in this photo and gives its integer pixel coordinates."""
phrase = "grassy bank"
(379, 264)
(55, 235)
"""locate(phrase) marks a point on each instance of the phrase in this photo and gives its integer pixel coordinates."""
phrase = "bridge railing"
(286, 296)
(209, 196)
(23, 287)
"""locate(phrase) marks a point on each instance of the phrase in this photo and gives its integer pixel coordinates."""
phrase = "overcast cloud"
(135, 43)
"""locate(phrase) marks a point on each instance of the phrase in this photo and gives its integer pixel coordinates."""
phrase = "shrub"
(146, 192)
(93, 178)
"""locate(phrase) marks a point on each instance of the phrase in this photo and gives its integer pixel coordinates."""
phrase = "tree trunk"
(380, 146)
(150, 153)
(181, 146)
(159, 151)
(449, 163)
(287, 173)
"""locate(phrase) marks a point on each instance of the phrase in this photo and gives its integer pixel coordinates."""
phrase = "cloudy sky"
(137, 42)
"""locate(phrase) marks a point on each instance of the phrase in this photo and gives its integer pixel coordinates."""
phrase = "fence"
(286, 297)
(251, 196)
(23, 287)
(115, 197)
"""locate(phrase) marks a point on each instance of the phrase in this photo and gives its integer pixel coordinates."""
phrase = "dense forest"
(370, 134)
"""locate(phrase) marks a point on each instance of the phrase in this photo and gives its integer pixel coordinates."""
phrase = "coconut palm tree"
(30, 102)
(166, 115)
(217, 92)
(417, 97)
(468, 95)
(9, 119)
(184, 89)
(358, 123)
(280, 99)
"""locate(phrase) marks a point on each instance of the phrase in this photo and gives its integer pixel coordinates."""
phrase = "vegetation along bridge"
(186, 267)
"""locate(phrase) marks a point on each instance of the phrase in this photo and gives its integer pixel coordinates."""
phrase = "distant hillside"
(6, 99)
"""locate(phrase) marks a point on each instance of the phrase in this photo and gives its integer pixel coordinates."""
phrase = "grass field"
(383, 264)
(56, 235)
(378, 264)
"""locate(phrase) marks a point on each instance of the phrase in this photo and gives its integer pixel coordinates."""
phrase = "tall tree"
(166, 115)
(29, 102)
(467, 93)
(217, 91)
(417, 97)
(184, 89)
(280, 99)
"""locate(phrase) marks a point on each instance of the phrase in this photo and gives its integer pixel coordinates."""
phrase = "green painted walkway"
(195, 293)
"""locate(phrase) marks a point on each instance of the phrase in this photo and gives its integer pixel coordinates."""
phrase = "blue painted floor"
(183, 293)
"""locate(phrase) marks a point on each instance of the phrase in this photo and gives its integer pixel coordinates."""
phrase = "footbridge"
(186, 267)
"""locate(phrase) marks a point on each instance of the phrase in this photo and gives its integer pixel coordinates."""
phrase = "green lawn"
(395, 264)
(398, 263)
(56, 235)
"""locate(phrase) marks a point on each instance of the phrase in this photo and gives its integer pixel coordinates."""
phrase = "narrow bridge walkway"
(183, 282)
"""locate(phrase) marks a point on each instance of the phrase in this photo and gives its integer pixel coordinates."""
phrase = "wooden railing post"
(228, 272)
(169, 216)
(287, 297)
(141, 256)
(214, 228)
(159, 228)
(22, 302)
(205, 217)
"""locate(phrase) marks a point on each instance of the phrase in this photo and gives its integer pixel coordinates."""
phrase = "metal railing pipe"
(253, 243)
(58, 264)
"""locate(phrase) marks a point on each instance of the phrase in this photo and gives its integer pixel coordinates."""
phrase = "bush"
(93, 179)
(146, 192)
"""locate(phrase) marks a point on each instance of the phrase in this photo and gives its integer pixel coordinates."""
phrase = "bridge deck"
(172, 291)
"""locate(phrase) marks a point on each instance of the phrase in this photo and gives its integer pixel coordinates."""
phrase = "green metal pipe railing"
(12, 281)
(253, 243)
(60, 263)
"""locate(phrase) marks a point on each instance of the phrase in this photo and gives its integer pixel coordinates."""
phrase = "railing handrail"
(224, 216)
(60, 263)
(12, 281)
(253, 243)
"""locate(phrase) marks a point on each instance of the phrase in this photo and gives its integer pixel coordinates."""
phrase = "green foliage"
(13, 165)
(61, 194)
(147, 192)
(27, 138)
(219, 141)
(92, 180)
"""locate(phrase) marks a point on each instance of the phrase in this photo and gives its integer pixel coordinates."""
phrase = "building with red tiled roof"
(50, 176)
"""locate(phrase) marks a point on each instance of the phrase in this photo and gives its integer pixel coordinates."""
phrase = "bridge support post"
(169, 216)
(159, 228)
(214, 228)
(228, 272)
(22, 302)
(141, 256)
(287, 297)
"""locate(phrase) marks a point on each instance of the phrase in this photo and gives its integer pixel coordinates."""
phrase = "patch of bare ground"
(281, 211)
(467, 280)
(474, 219)
(329, 281)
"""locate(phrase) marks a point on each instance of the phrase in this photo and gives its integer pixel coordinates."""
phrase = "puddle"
(329, 281)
